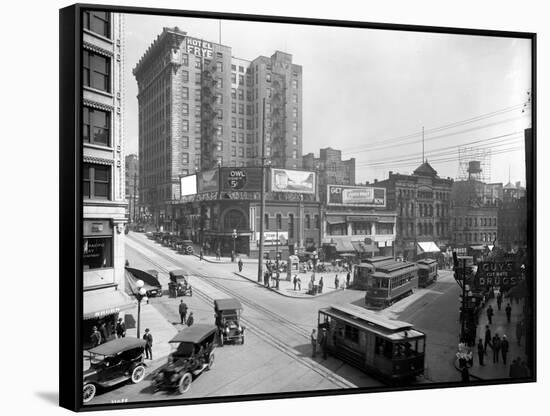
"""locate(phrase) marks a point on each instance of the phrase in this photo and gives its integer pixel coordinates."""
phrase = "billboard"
(271, 238)
(207, 181)
(359, 196)
(297, 181)
(241, 179)
(188, 185)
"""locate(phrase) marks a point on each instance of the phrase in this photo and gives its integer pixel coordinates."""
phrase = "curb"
(278, 291)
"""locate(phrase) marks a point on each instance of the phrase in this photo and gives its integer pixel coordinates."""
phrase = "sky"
(370, 92)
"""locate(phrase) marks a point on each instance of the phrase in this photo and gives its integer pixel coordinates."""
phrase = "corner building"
(103, 177)
(200, 107)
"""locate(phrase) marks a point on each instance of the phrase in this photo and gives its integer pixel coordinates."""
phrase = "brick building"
(199, 107)
(103, 170)
(422, 204)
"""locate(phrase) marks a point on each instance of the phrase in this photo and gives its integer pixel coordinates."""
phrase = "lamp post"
(140, 295)
(234, 235)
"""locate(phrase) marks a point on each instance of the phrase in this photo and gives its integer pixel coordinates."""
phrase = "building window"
(234, 136)
(233, 67)
(241, 69)
(241, 137)
(185, 93)
(268, 77)
(197, 94)
(241, 79)
(97, 71)
(294, 126)
(267, 107)
(197, 63)
(234, 151)
(241, 108)
(234, 122)
(294, 83)
(295, 112)
(219, 131)
(290, 226)
(220, 146)
(268, 92)
(294, 154)
(241, 151)
(219, 83)
(98, 253)
(185, 142)
(98, 22)
(219, 114)
(294, 141)
(97, 181)
(198, 78)
(219, 99)
(294, 98)
(233, 78)
(219, 66)
(308, 221)
(233, 93)
(241, 95)
(219, 55)
(185, 125)
(185, 109)
(316, 221)
(97, 126)
(241, 123)
(279, 221)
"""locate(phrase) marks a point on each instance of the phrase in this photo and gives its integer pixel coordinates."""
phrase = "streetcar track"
(262, 334)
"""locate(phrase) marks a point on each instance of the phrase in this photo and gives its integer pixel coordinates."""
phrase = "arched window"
(290, 225)
(308, 221)
(266, 221)
(317, 223)
(234, 220)
(278, 221)
(420, 229)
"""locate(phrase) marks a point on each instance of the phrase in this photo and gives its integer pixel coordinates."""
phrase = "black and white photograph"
(276, 208)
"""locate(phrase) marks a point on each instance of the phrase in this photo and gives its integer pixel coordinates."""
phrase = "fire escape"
(278, 122)
(209, 112)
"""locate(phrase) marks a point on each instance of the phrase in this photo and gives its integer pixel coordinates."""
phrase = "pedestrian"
(120, 328)
(201, 254)
(310, 287)
(295, 281)
(104, 333)
(321, 285)
(266, 279)
(313, 338)
(499, 300)
(508, 311)
(299, 284)
(348, 279)
(465, 374)
(190, 319)
(495, 345)
(323, 343)
(480, 352)
(95, 337)
(504, 346)
(336, 282)
(519, 331)
(232, 256)
(148, 344)
(487, 338)
(490, 314)
(183, 312)
(240, 263)
(218, 254)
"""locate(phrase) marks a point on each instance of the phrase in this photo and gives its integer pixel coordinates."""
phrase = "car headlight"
(239, 329)
(227, 330)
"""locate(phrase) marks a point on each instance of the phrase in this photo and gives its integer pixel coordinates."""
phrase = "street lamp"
(140, 295)
(234, 235)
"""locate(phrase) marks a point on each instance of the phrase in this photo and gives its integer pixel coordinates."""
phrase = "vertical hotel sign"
(199, 47)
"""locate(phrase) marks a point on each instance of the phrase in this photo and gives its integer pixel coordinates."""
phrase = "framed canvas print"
(257, 207)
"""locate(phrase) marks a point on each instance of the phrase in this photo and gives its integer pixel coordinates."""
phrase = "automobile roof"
(178, 272)
(147, 277)
(117, 345)
(195, 333)
(225, 304)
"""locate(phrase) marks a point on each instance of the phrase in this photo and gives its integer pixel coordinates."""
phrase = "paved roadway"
(276, 356)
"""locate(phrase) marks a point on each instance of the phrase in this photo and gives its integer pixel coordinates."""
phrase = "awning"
(344, 246)
(336, 220)
(386, 220)
(100, 303)
(361, 247)
(428, 247)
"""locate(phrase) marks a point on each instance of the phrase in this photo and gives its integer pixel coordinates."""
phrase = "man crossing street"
(183, 312)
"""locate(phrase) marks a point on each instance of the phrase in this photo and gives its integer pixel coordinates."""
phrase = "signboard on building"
(199, 47)
(207, 181)
(241, 179)
(504, 274)
(270, 237)
(297, 181)
(188, 185)
(359, 196)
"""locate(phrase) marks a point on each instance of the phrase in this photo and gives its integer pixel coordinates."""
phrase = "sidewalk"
(160, 328)
(286, 287)
(501, 327)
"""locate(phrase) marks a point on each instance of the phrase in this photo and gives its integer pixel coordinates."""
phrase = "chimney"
(391, 173)
(518, 184)
(376, 181)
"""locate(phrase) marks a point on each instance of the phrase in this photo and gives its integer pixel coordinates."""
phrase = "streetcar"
(389, 349)
(427, 272)
(385, 281)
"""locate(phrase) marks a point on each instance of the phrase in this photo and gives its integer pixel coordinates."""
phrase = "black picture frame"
(71, 204)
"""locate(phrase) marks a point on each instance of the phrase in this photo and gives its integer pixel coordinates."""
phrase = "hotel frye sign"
(199, 47)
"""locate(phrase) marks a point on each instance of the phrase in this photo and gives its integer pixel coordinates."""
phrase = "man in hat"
(148, 344)
(120, 328)
(183, 311)
(504, 346)
(95, 337)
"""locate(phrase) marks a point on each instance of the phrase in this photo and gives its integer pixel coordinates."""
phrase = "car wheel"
(88, 392)
(185, 383)
(210, 361)
(138, 374)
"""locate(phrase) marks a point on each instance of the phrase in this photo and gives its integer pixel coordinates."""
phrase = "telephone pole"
(262, 201)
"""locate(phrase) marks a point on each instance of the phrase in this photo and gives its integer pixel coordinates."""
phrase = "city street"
(276, 356)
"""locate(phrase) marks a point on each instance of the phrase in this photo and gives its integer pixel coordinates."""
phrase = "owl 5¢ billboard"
(359, 196)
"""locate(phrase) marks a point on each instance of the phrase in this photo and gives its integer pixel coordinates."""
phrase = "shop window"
(97, 126)
(98, 253)
(97, 181)
(96, 71)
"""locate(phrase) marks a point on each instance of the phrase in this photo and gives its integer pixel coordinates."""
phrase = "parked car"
(150, 280)
(228, 316)
(112, 363)
(185, 247)
(194, 354)
(179, 284)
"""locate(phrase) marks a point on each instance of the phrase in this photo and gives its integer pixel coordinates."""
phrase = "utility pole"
(135, 186)
(423, 160)
(262, 200)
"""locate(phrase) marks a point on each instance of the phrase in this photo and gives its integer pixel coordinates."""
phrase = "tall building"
(422, 203)
(132, 185)
(330, 168)
(200, 107)
(103, 170)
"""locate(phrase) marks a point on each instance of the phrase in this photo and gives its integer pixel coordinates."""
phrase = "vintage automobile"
(179, 284)
(194, 353)
(228, 315)
(150, 280)
(112, 363)
(185, 247)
